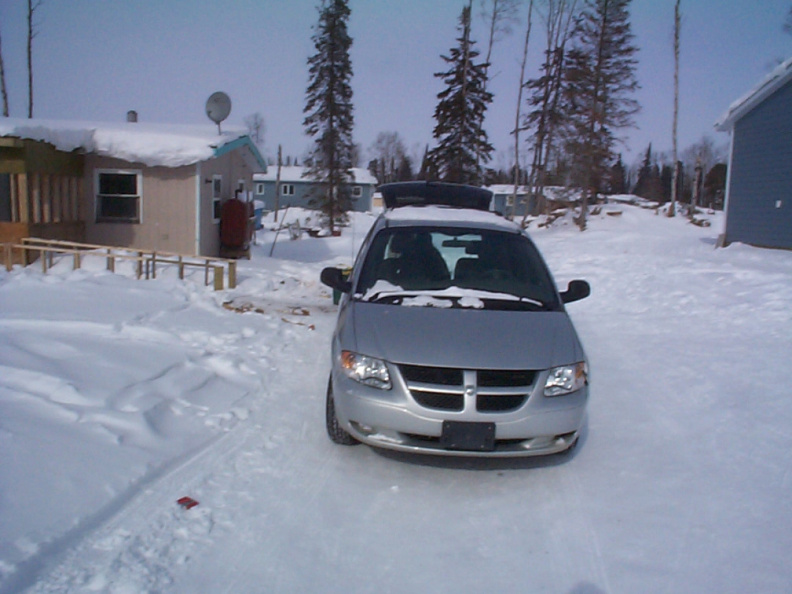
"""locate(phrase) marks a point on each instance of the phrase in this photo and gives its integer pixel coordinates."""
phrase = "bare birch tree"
(546, 92)
(3, 82)
(33, 6)
(518, 114)
(675, 179)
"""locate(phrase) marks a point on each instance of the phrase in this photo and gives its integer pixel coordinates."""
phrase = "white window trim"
(285, 187)
(357, 191)
(139, 181)
(260, 187)
(217, 197)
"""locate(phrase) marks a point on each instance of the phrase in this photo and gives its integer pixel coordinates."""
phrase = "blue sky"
(96, 59)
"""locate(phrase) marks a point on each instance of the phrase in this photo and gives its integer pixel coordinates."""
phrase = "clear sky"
(96, 59)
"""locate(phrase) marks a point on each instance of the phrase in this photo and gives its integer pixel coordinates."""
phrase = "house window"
(217, 192)
(357, 191)
(118, 196)
(287, 190)
(260, 189)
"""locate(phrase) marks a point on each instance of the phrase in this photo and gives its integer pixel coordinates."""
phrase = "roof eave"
(240, 142)
(780, 76)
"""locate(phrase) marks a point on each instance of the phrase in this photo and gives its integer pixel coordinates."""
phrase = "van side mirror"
(576, 290)
(336, 278)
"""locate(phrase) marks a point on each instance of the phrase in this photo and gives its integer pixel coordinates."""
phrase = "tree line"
(569, 121)
(571, 116)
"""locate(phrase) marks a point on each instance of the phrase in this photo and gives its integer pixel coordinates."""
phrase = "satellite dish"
(218, 106)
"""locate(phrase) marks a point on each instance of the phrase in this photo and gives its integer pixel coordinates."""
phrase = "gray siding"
(759, 209)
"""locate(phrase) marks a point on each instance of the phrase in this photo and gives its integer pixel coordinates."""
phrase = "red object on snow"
(187, 502)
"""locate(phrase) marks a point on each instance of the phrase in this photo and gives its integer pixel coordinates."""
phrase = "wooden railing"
(146, 261)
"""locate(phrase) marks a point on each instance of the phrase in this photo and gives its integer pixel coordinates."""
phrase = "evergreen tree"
(715, 186)
(389, 151)
(462, 147)
(617, 182)
(648, 185)
(328, 110)
(600, 79)
(405, 170)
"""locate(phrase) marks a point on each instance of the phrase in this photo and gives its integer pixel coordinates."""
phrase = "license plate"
(471, 437)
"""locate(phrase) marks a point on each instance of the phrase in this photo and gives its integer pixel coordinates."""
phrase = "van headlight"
(366, 370)
(566, 379)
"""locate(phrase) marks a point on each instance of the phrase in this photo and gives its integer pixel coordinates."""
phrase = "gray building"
(759, 185)
(297, 190)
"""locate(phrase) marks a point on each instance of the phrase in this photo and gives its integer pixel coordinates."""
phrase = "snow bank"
(118, 397)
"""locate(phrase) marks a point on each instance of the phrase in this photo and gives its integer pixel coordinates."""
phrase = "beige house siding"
(233, 167)
(167, 208)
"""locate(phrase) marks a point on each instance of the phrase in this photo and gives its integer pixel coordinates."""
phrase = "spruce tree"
(463, 146)
(600, 81)
(328, 108)
(617, 183)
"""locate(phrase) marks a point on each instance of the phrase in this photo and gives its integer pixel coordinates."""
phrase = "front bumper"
(394, 419)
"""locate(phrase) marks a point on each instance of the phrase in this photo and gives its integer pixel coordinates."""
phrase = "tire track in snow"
(116, 551)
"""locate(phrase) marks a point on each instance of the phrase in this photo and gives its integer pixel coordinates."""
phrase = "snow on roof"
(298, 173)
(449, 216)
(768, 85)
(167, 145)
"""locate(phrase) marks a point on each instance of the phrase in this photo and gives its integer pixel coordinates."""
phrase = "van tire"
(336, 433)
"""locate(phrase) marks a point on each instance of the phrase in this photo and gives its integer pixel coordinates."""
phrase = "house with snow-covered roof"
(127, 184)
(759, 180)
(293, 187)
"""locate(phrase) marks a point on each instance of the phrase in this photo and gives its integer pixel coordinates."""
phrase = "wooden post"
(8, 256)
(218, 278)
(77, 261)
(140, 265)
(43, 257)
(110, 260)
(206, 273)
(154, 265)
(24, 199)
(181, 267)
(232, 276)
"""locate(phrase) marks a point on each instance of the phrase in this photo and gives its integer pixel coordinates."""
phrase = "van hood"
(461, 337)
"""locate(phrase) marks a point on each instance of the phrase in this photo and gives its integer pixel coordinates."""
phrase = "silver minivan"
(451, 337)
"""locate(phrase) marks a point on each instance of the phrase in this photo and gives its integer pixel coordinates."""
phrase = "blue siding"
(302, 196)
(759, 209)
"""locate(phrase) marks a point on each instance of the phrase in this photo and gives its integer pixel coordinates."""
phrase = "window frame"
(99, 217)
(217, 196)
(357, 191)
(287, 189)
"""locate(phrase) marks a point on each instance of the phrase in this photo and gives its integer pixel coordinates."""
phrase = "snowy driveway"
(679, 483)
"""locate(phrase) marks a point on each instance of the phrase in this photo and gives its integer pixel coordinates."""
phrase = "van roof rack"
(424, 193)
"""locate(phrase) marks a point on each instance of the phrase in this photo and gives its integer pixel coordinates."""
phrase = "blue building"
(759, 184)
(297, 190)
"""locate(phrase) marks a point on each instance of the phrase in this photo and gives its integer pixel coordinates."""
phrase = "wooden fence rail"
(147, 261)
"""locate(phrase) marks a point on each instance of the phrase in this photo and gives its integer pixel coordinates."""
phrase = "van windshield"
(455, 267)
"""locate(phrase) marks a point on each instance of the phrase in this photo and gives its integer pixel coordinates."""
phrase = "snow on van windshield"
(450, 297)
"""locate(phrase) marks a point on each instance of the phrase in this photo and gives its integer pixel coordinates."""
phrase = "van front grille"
(443, 388)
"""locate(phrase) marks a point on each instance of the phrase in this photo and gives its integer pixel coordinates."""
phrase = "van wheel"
(334, 430)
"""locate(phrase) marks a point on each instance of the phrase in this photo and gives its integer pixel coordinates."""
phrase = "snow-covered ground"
(118, 397)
